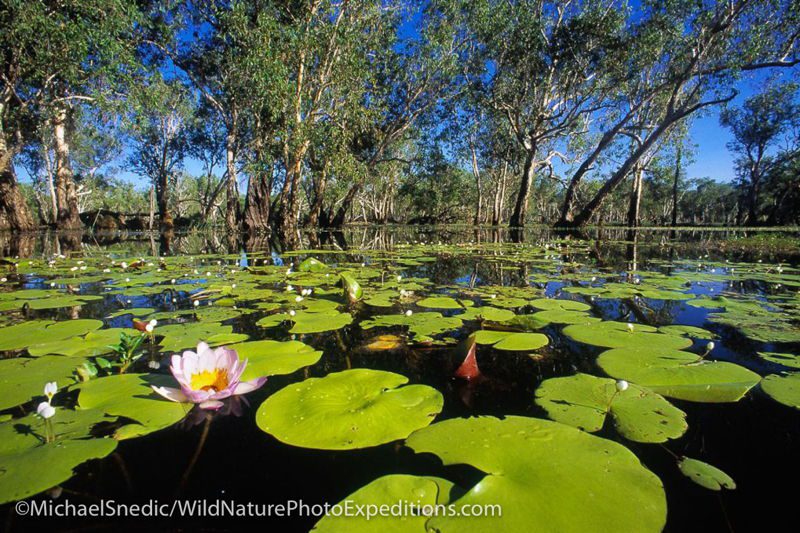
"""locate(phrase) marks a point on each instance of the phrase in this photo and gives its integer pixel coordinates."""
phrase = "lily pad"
(440, 302)
(785, 359)
(389, 490)
(706, 475)
(131, 396)
(23, 378)
(584, 401)
(679, 374)
(687, 331)
(783, 389)
(273, 358)
(346, 410)
(618, 335)
(546, 476)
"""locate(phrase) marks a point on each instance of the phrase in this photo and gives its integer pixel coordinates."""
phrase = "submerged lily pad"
(546, 476)
(346, 410)
(785, 359)
(389, 490)
(679, 374)
(421, 325)
(783, 389)
(584, 401)
(687, 331)
(706, 475)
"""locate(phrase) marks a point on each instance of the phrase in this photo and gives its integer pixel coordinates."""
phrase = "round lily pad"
(131, 396)
(687, 331)
(305, 322)
(706, 475)
(546, 476)
(618, 335)
(440, 302)
(274, 358)
(546, 304)
(24, 378)
(522, 342)
(783, 389)
(785, 359)
(679, 374)
(389, 490)
(346, 410)
(584, 401)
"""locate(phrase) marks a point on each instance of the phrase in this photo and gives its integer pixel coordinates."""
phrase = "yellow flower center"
(216, 379)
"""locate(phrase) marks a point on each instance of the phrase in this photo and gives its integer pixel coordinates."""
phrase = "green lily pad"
(679, 374)
(617, 335)
(389, 490)
(522, 342)
(306, 322)
(706, 475)
(179, 337)
(785, 359)
(584, 401)
(40, 466)
(274, 358)
(547, 304)
(23, 335)
(565, 316)
(352, 289)
(546, 476)
(440, 302)
(421, 325)
(783, 389)
(24, 378)
(97, 342)
(131, 396)
(687, 331)
(312, 265)
(492, 314)
(346, 410)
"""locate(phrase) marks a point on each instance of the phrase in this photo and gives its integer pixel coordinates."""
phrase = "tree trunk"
(595, 203)
(319, 195)
(66, 192)
(636, 198)
(257, 203)
(231, 195)
(521, 207)
(341, 214)
(479, 189)
(162, 198)
(675, 180)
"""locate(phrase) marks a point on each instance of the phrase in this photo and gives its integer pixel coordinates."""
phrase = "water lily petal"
(175, 395)
(211, 405)
(248, 386)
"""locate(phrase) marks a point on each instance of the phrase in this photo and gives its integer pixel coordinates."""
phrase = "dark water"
(756, 440)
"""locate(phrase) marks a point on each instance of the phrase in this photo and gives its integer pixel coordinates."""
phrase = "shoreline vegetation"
(268, 116)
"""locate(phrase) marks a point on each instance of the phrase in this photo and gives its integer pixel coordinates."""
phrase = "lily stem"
(195, 457)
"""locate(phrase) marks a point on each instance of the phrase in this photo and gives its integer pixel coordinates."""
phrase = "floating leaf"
(346, 410)
(389, 490)
(273, 358)
(619, 335)
(546, 304)
(679, 374)
(687, 331)
(312, 265)
(706, 475)
(131, 396)
(785, 359)
(23, 378)
(545, 476)
(305, 322)
(352, 289)
(440, 302)
(783, 389)
(584, 401)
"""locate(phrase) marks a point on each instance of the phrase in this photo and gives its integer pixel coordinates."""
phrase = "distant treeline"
(269, 115)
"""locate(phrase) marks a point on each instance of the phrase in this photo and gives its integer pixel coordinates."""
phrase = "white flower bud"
(45, 410)
(622, 385)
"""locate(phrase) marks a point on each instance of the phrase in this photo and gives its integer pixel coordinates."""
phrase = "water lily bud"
(45, 410)
(409, 312)
(289, 288)
(630, 327)
(149, 328)
(124, 264)
(710, 346)
(197, 303)
(155, 365)
(399, 278)
(3, 280)
(127, 280)
(622, 385)
(594, 278)
(298, 299)
(52, 284)
(233, 285)
(73, 269)
(50, 389)
(292, 312)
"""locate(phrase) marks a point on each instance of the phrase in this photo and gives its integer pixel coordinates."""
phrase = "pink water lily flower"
(208, 376)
